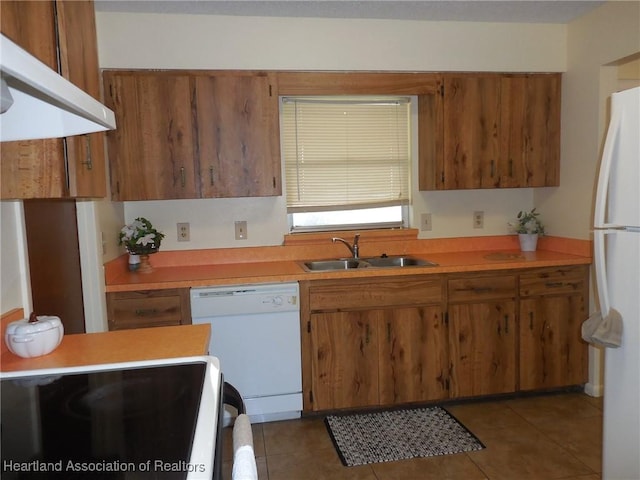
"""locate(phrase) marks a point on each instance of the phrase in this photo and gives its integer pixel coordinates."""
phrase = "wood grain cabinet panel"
(413, 355)
(553, 305)
(482, 348)
(373, 342)
(62, 35)
(152, 152)
(148, 308)
(498, 131)
(345, 359)
(483, 330)
(238, 135)
(186, 134)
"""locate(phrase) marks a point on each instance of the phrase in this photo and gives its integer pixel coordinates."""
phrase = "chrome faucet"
(354, 249)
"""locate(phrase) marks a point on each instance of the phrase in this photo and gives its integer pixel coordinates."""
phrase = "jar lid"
(24, 327)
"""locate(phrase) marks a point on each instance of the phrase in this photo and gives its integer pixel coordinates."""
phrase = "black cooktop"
(122, 424)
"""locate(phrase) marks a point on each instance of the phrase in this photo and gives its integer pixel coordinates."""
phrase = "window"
(346, 161)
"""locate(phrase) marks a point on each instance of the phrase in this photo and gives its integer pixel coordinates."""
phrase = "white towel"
(603, 331)
(244, 459)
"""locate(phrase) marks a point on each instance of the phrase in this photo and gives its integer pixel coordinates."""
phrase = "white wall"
(603, 37)
(14, 285)
(222, 42)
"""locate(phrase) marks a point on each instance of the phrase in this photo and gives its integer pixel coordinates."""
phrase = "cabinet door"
(344, 347)
(413, 355)
(32, 168)
(552, 353)
(152, 153)
(531, 130)
(482, 348)
(238, 135)
(471, 131)
(79, 64)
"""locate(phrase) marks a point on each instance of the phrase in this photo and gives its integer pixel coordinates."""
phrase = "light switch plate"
(241, 230)
(425, 222)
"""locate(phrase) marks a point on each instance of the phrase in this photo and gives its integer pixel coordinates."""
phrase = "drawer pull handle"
(554, 284)
(211, 176)
(143, 312)
(482, 289)
(183, 179)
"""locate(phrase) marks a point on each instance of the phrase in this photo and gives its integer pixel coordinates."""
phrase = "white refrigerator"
(617, 265)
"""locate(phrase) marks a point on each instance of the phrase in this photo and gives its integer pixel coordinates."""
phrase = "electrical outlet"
(241, 230)
(425, 222)
(184, 235)
(478, 219)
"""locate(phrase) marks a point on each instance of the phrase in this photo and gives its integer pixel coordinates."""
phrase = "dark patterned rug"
(390, 435)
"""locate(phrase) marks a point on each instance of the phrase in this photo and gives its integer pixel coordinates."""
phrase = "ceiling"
(520, 11)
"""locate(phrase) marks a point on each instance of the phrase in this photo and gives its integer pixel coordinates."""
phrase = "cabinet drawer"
(470, 289)
(549, 281)
(368, 293)
(152, 308)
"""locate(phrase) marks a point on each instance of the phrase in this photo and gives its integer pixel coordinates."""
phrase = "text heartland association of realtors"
(101, 466)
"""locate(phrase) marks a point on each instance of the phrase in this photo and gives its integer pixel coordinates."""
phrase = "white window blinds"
(345, 153)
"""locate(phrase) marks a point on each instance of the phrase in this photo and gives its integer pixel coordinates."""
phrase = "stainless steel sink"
(341, 264)
(398, 262)
(371, 262)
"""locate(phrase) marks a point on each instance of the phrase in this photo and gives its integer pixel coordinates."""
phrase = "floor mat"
(385, 436)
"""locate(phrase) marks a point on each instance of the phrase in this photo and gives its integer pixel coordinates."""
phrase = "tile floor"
(545, 437)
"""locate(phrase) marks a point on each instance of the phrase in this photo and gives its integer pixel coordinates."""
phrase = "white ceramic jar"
(33, 339)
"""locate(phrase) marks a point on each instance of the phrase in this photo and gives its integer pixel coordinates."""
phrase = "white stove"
(134, 420)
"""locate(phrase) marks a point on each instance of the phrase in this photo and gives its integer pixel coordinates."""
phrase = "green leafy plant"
(140, 237)
(528, 222)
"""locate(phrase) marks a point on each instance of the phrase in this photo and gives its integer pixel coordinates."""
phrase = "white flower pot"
(528, 241)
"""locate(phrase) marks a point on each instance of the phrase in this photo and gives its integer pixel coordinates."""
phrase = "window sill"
(321, 238)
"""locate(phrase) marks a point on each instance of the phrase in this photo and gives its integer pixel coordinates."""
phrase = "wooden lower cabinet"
(344, 359)
(148, 308)
(413, 355)
(374, 342)
(378, 357)
(552, 309)
(482, 348)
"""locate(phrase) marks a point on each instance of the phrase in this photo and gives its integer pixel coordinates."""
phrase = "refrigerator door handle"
(601, 270)
(605, 169)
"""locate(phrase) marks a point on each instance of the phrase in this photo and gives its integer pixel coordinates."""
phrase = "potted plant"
(140, 239)
(529, 228)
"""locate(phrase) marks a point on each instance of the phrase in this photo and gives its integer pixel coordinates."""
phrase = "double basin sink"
(371, 262)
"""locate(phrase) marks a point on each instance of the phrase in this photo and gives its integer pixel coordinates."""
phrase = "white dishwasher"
(255, 333)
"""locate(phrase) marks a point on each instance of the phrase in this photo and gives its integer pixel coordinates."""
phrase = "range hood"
(37, 102)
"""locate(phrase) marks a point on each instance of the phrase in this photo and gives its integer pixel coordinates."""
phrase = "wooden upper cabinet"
(471, 131)
(192, 134)
(152, 153)
(531, 130)
(41, 168)
(238, 135)
(78, 46)
(497, 130)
